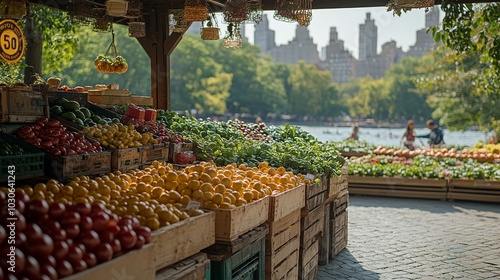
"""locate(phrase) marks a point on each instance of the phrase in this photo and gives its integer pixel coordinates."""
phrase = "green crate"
(247, 263)
(27, 165)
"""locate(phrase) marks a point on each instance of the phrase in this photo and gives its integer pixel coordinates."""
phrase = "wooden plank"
(315, 201)
(308, 260)
(150, 153)
(183, 239)
(222, 247)
(456, 184)
(315, 187)
(67, 167)
(398, 181)
(276, 258)
(473, 197)
(112, 92)
(231, 223)
(121, 100)
(324, 241)
(396, 193)
(337, 185)
(286, 269)
(193, 268)
(283, 224)
(312, 216)
(398, 187)
(278, 239)
(286, 203)
(126, 159)
(136, 264)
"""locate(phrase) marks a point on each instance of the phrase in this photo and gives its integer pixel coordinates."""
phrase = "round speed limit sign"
(12, 42)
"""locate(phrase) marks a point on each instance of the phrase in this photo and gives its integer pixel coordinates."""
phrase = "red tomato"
(90, 239)
(86, 223)
(100, 220)
(50, 271)
(104, 252)
(79, 266)
(32, 268)
(61, 250)
(41, 247)
(64, 268)
(75, 254)
(144, 232)
(127, 239)
(90, 259)
(56, 210)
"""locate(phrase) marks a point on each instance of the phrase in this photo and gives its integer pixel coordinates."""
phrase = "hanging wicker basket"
(236, 11)
(195, 10)
(304, 13)
(210, 33)
(136, 29)
(116, 8)
(12, 9)
(286, 10)
(176, 21)
(409, 4)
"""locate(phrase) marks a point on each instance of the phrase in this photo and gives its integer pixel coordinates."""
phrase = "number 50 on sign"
(12, 42)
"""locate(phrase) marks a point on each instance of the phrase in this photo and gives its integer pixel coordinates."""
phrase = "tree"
(405, 102)
(368, 98)
(311, 88)
(198, 81)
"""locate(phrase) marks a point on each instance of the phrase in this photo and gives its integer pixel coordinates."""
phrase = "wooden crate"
(136, 264)
(154, 152)
(222, 250)
(247, 263)
(338, 233)
(80, 97)
(285, 203)
(337, 184)
(22, 106)
(121, 100)
(177, 148)
(308, 261)
(67, 167)
(231, 223)
(282, 247)
(178, 241)
(112, 92)
(196, 267)
(311, 225)
(315, 192)
(126, 159)
(398, 187)
(474, 190)
(324, 241)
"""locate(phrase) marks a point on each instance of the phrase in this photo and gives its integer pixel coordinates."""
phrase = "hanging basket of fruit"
(111, 61)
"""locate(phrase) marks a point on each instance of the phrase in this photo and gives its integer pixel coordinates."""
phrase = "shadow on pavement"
(434, 206)
(345, 266)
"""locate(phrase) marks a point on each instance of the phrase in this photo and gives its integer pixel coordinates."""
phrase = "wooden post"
(158, 44)
(324, 245)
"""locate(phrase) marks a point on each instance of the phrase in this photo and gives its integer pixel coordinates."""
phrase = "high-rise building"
(425, 43)
(337, 59)
(300, 48)
(263, 36)
(367, 38)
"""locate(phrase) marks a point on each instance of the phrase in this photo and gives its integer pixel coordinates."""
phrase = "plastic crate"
(247, 263)
(27, 165)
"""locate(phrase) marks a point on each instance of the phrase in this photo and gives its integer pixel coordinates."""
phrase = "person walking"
(436, 136)
(409, 135)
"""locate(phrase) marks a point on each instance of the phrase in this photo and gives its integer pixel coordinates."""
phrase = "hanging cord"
(115, 50)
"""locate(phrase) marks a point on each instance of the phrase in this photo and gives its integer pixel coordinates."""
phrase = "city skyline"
(347, 21)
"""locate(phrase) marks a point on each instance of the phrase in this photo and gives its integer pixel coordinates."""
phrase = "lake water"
(392, 136)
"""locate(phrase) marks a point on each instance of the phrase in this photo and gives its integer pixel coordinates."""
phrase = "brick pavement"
(399, 238)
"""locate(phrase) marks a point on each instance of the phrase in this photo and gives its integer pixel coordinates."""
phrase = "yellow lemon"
(218, 198)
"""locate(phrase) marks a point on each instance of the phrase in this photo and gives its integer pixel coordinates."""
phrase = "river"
(392, 136)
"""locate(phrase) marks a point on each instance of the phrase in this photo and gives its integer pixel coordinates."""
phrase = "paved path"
(398, 238)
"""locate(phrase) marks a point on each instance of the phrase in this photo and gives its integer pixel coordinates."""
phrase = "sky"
(401, 29)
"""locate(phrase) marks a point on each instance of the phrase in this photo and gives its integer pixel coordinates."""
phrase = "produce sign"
(53, 137)
(56, 240)
(12, 42)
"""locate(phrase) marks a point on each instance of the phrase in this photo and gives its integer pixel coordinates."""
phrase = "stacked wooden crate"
(311, 227)
(283, 239)
(176, 248)
(338, 225)
(239, 247)
(337, 192)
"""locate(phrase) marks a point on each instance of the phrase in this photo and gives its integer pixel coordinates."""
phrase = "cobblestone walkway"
(398, 238)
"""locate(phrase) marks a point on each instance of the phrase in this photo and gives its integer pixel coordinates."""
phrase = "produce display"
(54, 138)
(119, 136)
(256, 131)
(422, 167)
(72, 111)
(164, 134)
(57, 240)
(479, 154)
(354, 146)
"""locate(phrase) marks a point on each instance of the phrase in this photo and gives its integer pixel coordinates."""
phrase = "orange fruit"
(153, 223)
(218, 198)
(227, 182)
(220, 188)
